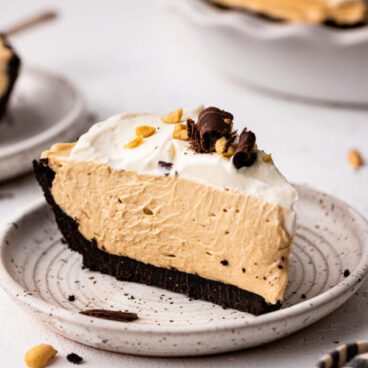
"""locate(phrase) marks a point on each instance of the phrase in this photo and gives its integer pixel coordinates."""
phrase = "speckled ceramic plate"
(44, 108)
(329, 263)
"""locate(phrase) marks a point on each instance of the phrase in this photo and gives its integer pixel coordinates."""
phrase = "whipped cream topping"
(103, 143)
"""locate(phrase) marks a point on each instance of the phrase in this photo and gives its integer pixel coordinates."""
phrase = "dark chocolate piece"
(12, 70)
(212, 124)
(111, 315)
(127, 269)
(244, 155)
(74, 358)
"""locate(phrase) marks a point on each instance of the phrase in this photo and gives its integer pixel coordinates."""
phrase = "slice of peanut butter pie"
(178, 201)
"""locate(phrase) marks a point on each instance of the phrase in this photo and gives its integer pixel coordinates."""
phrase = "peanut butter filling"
(172, 222)
(311, 11)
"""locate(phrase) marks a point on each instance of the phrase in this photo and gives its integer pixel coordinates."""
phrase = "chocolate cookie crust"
(127, 269)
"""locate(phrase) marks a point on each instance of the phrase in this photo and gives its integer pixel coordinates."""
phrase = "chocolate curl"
(244, 155)
(193, 135)
(210, 127)
(212, 109)
(230, 141)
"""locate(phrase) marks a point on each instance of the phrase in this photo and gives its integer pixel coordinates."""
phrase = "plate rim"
(356, 278)
(61, 125)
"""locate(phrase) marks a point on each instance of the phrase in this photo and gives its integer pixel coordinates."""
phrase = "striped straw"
(353, 355)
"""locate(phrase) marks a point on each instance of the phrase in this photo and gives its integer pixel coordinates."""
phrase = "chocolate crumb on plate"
(111, 315)
(74, 358)
(224, 262)
(71, 298)
(346, 273)
(303, 296)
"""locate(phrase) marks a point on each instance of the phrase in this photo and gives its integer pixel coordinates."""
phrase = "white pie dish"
(313, 62)
(39, 273)
(44, 108)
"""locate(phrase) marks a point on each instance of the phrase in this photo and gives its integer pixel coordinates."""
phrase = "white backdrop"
(127, 56)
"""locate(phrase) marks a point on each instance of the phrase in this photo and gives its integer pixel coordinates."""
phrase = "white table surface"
(126, 56)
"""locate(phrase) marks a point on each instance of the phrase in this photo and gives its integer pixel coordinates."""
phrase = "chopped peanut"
(355, 159)
(134, 143)
(39, 356)
(220, 148)
(180, 132)
(145, 131)
(174, 117)
(267, 158)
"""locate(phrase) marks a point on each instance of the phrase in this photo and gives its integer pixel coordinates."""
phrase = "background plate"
(303, 61)
(44, 108)
(39, 272)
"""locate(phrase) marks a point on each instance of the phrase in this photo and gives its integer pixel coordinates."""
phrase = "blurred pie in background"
(9, 67)
(334, 12)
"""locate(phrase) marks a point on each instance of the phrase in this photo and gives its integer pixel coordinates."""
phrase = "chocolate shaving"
(210, 127)
(165, 165)
(74, 358)
(111, 315)
(193, 135)
(244, 155)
